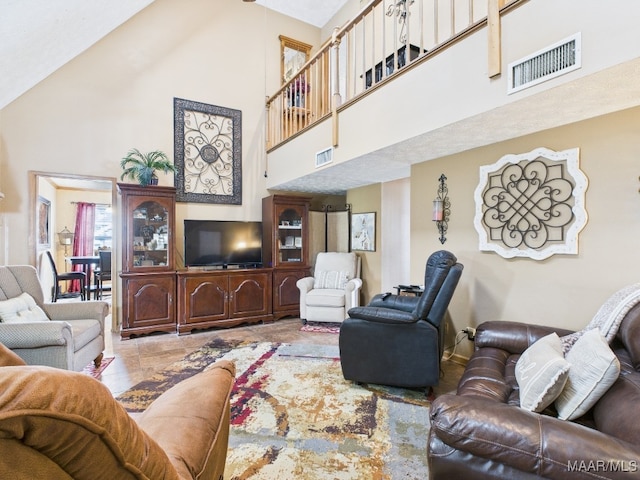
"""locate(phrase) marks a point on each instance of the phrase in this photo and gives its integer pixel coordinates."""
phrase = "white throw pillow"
(21, 309)
(594, 368)
(541, 372)
(331, 279)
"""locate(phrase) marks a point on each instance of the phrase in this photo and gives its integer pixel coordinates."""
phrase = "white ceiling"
(73, 183)
(315, 12)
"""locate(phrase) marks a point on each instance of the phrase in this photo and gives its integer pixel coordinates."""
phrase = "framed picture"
(207, 152)
(44, 223)
(363, 232)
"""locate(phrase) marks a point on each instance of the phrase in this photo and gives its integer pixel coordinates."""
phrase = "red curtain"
(83, 236)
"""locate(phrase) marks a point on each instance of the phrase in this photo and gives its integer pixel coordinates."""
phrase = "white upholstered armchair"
(62, 335)
(333, 289)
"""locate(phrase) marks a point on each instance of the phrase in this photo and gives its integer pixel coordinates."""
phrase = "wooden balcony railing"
(382, 41)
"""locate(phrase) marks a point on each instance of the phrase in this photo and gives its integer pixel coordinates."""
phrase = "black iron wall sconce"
(442, 208)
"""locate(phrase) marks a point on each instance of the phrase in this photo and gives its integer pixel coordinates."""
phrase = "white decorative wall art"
(532, 204)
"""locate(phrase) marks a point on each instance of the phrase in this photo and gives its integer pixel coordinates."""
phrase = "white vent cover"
(324, 156)
(558, 59)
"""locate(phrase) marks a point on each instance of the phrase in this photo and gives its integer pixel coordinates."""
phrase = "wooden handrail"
(373, 47)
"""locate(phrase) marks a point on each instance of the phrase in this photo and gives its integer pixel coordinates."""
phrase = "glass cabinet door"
(150, 232)
(289, 232)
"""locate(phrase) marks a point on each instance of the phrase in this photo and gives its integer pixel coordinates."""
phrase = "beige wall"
(364, 200)
(563, 290)
(119, 94)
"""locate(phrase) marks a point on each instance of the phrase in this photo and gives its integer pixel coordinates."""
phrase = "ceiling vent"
(324, 156)
(558, 59)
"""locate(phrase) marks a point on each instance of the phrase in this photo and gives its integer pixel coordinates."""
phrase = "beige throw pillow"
(541, 372)
(21, 309)
(594, 368)
(331, 279)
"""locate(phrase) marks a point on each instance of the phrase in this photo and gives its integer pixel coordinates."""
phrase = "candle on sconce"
(438, 210)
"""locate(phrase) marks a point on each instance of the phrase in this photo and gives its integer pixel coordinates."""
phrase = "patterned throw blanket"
(609, 316)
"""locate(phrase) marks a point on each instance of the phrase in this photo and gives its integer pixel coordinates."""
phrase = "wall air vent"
(324, 156)
(558, 59)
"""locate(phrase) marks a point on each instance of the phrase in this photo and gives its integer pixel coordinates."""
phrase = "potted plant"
(142, 166)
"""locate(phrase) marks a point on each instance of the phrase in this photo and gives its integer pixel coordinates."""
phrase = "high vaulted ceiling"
(39, 36)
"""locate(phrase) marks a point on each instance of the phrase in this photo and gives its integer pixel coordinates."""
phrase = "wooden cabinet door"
(286, 295)
(249, 294)
(148, 303)
(203, 298)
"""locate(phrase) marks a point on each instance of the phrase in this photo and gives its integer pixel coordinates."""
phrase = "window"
(103, 236)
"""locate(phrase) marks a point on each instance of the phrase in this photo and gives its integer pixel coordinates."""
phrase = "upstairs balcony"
(386, 38)
(406, 81)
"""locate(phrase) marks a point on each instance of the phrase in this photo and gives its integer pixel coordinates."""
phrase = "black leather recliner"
(397, 340)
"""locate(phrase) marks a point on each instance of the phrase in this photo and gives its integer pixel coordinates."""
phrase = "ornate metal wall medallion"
(208, 153)
(532, 204)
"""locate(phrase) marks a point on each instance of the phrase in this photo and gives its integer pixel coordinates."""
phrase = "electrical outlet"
(471, 333)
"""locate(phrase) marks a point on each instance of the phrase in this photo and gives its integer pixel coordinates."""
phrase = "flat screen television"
(222, 243)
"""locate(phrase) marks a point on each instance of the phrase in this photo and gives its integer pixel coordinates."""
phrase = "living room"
(118, 94)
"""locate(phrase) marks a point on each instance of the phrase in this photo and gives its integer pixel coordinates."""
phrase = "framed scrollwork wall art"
(532, 204)
(208, 153)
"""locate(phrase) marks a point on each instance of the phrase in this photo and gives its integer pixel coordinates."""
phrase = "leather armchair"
(58, 425)
(71, 338)
(397, 340)
(482, 433)
(333, 290)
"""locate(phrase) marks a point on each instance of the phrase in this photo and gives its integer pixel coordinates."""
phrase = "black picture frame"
(207, 153)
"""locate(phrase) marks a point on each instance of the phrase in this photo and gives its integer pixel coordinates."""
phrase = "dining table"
(87, 262)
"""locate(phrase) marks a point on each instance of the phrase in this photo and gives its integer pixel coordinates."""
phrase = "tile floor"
(138, 358)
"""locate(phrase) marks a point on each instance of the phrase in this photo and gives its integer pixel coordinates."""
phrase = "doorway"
(60, 192)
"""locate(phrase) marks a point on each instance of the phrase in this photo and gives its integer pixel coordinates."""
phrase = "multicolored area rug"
(321, 327)
(293, 415)
(97, 372)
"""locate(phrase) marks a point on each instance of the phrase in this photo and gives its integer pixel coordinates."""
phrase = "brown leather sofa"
(482, 433)
(57, 424)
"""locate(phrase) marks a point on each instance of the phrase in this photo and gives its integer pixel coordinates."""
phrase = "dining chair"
(102, 273)
(64, 277)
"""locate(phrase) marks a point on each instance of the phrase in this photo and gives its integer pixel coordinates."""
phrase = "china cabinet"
(285, 246)
(148, 263)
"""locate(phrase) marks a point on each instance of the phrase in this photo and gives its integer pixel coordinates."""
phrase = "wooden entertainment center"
(223, 298)
(159, 298)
